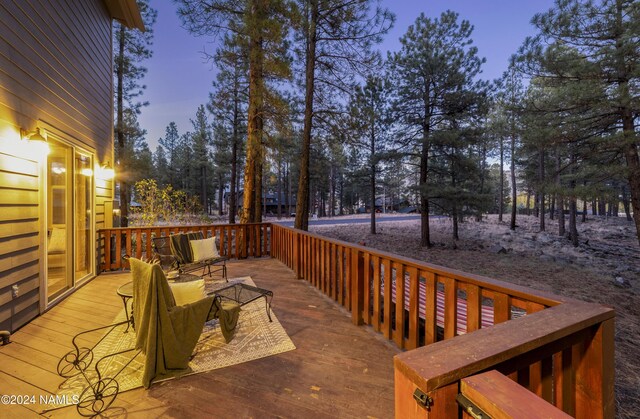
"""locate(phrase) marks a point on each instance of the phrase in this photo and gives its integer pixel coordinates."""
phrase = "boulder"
(496, 248)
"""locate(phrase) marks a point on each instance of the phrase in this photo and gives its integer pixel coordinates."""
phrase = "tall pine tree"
(131, 47)
(434, 80)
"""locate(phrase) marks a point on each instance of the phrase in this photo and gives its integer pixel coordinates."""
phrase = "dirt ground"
(604, 268)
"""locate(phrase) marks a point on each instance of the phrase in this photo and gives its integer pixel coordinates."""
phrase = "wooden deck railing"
(562, 350)
(235, 241)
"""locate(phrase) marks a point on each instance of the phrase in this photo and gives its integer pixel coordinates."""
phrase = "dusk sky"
(179, 79)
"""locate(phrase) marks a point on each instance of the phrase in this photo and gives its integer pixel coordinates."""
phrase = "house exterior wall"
(56, 75)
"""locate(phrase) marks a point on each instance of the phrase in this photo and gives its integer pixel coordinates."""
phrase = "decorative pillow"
(188, 292)
(204, 249)
(57, 241)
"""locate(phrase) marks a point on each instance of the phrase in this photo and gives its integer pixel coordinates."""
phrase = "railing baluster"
(450, 307)
(501, 308)
(414, 315)
(430, 315)
(474, 307)
(388, 284)
(398, 334)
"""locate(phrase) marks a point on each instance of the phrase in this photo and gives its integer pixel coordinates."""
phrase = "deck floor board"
(337, 370)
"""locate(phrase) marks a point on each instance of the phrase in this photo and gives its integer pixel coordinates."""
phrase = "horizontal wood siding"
(55, 74)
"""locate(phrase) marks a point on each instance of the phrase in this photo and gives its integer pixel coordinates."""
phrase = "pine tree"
(370, 122)
(200, 164)
(434, 75)
(258, 25)
(603, 38)
(336, 37)
(135, 158)
(131, 47)
(228, 104)
(170, 143)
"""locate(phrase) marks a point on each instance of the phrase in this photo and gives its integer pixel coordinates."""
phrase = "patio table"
(244, 294)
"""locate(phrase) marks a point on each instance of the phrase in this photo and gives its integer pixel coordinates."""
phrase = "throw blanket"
(181, 249)
(166, 333)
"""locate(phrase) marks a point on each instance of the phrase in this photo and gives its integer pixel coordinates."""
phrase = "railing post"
(357, 286)
(595, 397)
(297, 254)
(107, 250)
(441, 402)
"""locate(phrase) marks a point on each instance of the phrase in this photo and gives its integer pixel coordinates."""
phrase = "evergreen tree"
(603, 37)
(228, 104)
(434, 81)
(508, 106)
(131, 47)
(258, 25)
(170, 143)
(200, 164)
(336, 37)
(161, 166)
(135, 156)
(369, 111)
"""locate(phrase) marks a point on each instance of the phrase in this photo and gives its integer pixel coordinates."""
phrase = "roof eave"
(126, 12)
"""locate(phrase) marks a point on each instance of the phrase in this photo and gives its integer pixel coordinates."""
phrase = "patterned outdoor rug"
(255, 337)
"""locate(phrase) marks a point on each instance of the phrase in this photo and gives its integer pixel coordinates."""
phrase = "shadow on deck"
(337, 370)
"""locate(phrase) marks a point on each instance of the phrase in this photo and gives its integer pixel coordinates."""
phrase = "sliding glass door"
(69, 218)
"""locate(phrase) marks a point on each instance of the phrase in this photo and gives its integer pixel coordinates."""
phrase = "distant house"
(56, 88)
(270, 202)
(387, 204)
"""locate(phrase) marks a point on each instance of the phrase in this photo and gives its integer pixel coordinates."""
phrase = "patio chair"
(165, 333)
(189, 252)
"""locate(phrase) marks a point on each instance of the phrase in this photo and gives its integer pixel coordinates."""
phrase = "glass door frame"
(45, 303)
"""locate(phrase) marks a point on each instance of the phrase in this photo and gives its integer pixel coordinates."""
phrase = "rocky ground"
(604, 268)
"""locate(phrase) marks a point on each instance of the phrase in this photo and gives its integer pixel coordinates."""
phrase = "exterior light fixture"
(105, 172)
(35, 137)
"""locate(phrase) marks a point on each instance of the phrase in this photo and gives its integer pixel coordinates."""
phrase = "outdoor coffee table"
(244, 294)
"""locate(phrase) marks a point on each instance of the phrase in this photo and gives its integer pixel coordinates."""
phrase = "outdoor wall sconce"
(35, 137)
(105, 172)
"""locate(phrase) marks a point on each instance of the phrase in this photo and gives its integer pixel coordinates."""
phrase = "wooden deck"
(337, 371)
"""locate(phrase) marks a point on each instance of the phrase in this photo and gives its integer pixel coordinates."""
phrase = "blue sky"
(179, 78)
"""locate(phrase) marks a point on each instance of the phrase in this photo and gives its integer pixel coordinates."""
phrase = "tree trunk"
(302, 207)
(254, 120)
(124, 183)
(528, 202)
(501, 199)
(559, 197)
(220, 195)
(514, 192)
(289, 191)
(203, 187)
(625, 203)
(279, 210)
(573, 229)
(425, 239)
(372, 151)
(341, 196)
(454, 214)
(602, 206)
(541, 189)
(233, 203)
(552, 206)
(258, 194)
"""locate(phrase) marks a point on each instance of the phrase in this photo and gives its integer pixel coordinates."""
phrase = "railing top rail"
(180, 226)
(525, 293)
(436, 365)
